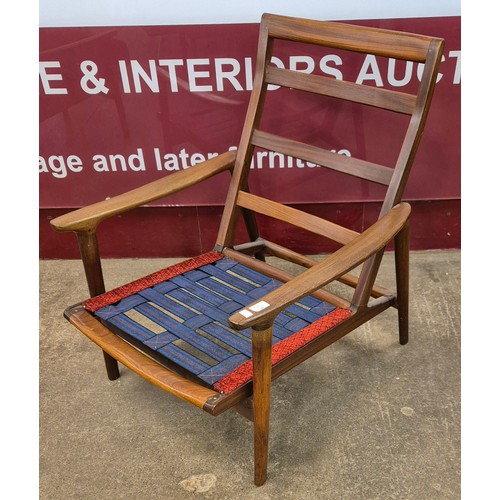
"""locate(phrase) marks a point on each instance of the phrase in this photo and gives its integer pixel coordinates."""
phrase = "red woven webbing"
(282, 349)
(121, 292)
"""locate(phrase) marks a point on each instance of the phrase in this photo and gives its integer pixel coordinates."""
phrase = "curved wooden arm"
(263, 311)
(87, 218)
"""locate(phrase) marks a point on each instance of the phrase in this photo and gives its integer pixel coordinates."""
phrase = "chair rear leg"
(111, 366)
(261, 353)
(402, 259)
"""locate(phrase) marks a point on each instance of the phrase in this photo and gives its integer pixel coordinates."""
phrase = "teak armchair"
(215, 330)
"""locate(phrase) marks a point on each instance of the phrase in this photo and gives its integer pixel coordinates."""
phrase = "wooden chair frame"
(366, 248)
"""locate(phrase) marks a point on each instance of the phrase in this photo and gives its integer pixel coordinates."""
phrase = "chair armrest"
(261, 313)
(88, 217)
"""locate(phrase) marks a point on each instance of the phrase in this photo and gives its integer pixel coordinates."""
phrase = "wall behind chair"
(136, 91)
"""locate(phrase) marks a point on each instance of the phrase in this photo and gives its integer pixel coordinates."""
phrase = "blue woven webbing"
(185, 318)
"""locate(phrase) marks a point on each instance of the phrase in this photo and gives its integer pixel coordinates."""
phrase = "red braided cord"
(282, 349)
(121, 292)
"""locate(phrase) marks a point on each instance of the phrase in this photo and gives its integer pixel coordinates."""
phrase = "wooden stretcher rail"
(323, 157)
(351, 255)
(399, 102)
(281, 275)
(302, 260)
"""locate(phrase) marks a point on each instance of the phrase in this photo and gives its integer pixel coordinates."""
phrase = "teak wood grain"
(402, 261)
(87, 218)
(89, 251)
(375, 41)
(222, 402)
(323, 157)
(372, 96)
(302, 260)
(367, 244)
(296, 217)
(365, 248)
(281, 275)
(136, 361)
(261, 355)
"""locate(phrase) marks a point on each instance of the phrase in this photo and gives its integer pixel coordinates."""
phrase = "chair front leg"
(89, 251)
(261, 353)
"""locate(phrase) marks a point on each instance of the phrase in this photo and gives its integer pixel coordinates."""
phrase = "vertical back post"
(245, 149)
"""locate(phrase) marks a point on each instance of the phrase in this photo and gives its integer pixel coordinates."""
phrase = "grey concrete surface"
(364, 419)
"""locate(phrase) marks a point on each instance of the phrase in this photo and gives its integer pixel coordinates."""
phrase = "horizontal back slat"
(296, 217)
(372, 96)
(323, 157)
(375, 41)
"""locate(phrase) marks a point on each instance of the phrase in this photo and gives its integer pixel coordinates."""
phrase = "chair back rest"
(394, 45)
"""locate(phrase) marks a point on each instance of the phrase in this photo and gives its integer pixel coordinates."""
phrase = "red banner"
(122, 106)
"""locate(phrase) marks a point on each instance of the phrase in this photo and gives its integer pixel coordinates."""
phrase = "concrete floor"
(364, 419)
